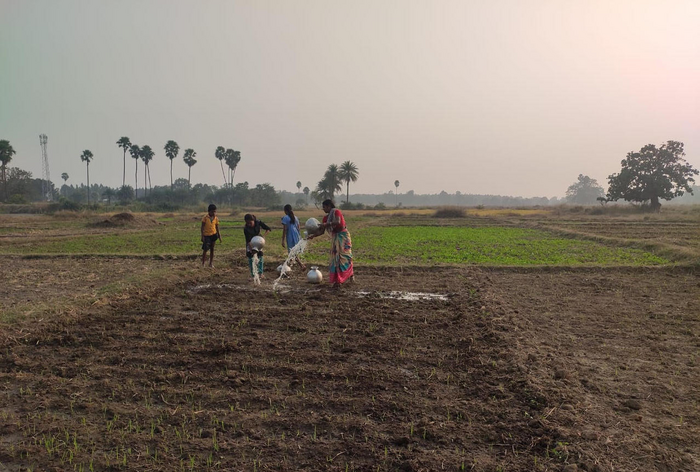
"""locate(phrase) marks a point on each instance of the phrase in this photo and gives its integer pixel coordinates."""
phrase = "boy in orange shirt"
(210, 233)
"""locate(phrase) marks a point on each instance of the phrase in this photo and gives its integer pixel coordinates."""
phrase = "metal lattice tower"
(45, 174)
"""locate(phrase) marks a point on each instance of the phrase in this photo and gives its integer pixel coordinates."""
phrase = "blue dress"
(293, 235)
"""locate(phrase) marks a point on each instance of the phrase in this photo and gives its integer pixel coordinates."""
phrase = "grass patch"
(487, 245)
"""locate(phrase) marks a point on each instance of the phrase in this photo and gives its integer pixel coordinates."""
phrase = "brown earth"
(592, 369)
(37, 285)
(125, 220)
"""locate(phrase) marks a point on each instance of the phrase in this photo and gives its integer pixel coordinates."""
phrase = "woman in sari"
(340, 268)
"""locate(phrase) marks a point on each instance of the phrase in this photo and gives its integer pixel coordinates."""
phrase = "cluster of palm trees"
(306, 190)
(146, 154)
(231, 158)
(6, 153)
(333, 179)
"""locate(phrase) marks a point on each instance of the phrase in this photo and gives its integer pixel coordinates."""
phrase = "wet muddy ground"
(513, 370)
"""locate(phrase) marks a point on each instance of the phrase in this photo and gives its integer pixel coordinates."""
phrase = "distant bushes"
(450, 212)
(362, 206)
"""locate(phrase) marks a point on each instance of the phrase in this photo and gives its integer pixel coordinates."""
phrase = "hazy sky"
(502, 97)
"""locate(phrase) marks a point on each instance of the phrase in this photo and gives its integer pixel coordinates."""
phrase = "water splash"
(256, 275)
(295, 252)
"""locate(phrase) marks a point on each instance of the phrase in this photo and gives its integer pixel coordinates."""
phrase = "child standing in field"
(250, 230)
(290, 232)
(210, 234)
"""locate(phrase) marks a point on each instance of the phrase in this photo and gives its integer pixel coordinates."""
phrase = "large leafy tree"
(147, 156)
(220, 154)
(189, 158)
(653, 174)
(135, 152)
(232, 159)
(86, 157)
(109, 193)
(585, 191)
(6, 153)
(348, 173)
(125, 144)
(171, 151)
(298, 185)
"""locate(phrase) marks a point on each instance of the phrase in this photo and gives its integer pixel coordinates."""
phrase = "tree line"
(647, 177)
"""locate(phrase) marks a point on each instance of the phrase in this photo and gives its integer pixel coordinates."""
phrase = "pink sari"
(340, 267)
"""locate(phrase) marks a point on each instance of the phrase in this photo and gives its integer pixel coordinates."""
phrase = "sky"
(508, 97)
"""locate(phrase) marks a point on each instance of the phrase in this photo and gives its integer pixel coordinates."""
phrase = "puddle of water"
(409, 296)
(284, 288)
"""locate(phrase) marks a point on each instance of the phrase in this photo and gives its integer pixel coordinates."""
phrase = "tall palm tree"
(147, 156)
(333, 180)
(189, 158)
(348, 173)
(86, 157)
(65, 178)
(298, 185)
(6, 153)
(171, 150)
(220, 154)
(396, 193)
(125, 144)
(135, 152)
(306, 192)
(232, 160)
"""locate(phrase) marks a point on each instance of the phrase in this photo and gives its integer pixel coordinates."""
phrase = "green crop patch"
(487, 245)
(371, 245)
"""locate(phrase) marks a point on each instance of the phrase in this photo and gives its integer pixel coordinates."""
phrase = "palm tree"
(6, 153)
(189, 158)
(147, 156)
(232, 160)
(333, 180)
(171, 150)
(327, 187)
(135, 152)
(65, 177)
(348, 173)
(306, 192)
(86, 157)
(220, 154)
(125, 144)
(396, 193)
(298, 185)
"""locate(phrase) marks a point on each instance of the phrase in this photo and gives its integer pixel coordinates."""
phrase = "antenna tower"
(45, 174)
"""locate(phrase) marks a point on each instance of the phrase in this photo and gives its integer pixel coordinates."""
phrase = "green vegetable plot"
(487, 245)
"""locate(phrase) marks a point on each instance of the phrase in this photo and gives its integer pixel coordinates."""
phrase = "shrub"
(17, 199)
(450, 212)
(352, 206)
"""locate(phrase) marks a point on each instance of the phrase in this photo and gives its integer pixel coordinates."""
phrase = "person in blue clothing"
(290, 232)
